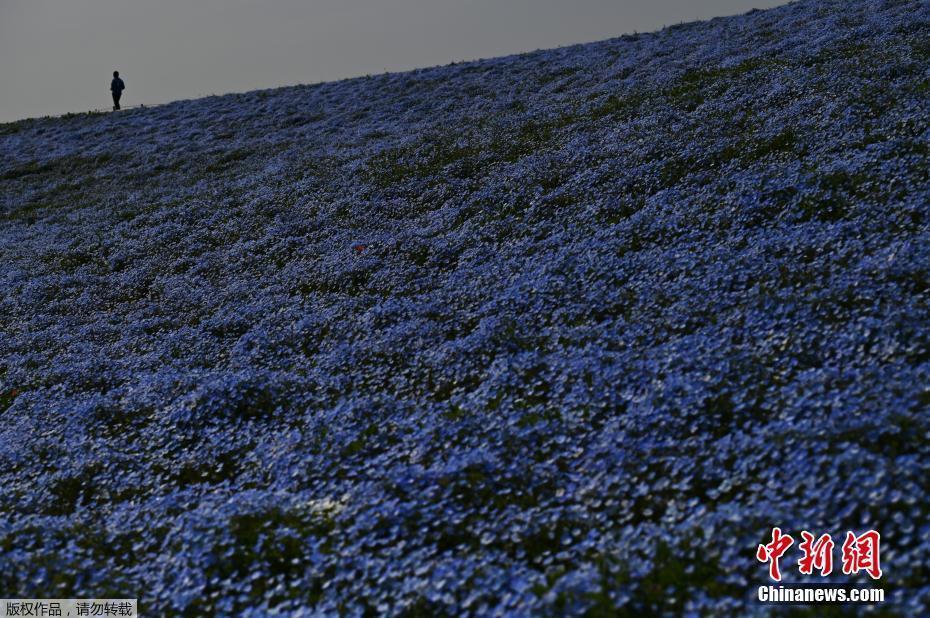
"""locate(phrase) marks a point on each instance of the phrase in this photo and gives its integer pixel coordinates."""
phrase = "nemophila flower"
(560, 333)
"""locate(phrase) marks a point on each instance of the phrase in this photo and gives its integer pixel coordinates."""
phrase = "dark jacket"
(117, 85)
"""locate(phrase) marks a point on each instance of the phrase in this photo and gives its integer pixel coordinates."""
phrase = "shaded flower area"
(562, 333)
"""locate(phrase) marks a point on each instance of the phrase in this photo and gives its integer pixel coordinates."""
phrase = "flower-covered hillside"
(559, 333)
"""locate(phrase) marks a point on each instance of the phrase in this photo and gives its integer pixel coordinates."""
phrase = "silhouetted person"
(116, 87)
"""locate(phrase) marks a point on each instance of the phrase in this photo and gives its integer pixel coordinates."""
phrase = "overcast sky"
(57, 56)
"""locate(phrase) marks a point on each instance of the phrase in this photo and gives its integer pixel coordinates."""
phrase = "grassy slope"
(656, 275)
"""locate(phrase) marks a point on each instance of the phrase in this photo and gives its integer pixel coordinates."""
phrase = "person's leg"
(116, 96)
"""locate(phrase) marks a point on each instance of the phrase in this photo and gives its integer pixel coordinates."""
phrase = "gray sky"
(56, 56)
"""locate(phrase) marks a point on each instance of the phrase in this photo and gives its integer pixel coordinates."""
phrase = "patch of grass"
(450, 155)
(532, 137)
(7, 398)
(352, 283)
(621, 209)
(760, 148)
(70, 261)
(223, 467)
(548, 78)
(31, 168)
(674, 170)
(89, 114)
(694, 86)
(619, 107)
(920, 48)
(844, 51)
(421, 161)
(11, 128)
(71, 165)
(70, 490)
(820, 208)
(226, 160)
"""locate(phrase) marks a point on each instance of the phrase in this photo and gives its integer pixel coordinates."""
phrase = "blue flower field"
(563, 333)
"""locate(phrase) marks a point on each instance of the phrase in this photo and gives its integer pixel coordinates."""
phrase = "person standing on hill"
(116, 88)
